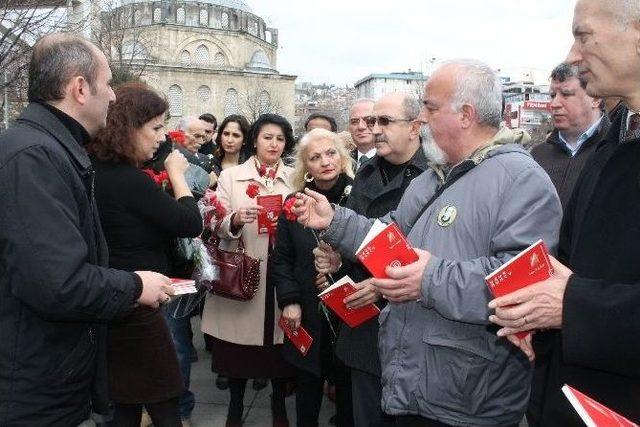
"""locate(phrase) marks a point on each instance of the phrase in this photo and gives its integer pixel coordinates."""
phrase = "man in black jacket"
(579, 125)
(56, 291)
(593, 305)
(377, 189)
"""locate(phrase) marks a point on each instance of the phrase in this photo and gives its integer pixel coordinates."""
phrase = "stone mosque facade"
(208, 56)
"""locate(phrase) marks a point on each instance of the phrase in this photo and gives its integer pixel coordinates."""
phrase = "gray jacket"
(440, 355)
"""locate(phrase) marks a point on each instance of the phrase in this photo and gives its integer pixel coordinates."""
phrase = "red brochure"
(300, 338)
(528, 267)
(594, 414)
(333, 297)
(383, 246)
(268, 217)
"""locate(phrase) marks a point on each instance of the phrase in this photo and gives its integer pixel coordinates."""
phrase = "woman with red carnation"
(246, 338)
(322, 164)
(140, 220)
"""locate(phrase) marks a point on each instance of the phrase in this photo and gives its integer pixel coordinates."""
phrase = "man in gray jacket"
(442, 363)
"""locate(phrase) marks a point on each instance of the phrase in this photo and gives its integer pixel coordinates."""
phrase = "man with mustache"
(360, 133)
(377, 189)
(441, 363)
(591, 302)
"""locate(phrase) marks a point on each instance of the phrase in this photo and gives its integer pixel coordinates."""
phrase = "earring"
(307, 177)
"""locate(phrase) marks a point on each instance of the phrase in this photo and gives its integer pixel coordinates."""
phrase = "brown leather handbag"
(239, 274)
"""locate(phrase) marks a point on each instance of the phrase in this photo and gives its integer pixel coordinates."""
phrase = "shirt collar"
(582, 138)
(629, 114)
(369, 154)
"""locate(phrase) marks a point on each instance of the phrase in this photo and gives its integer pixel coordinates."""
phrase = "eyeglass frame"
(387, 119)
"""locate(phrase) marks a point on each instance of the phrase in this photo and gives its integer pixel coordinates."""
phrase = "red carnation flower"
(253, 190)
(177, 136)
(160, 178)
(287, 208)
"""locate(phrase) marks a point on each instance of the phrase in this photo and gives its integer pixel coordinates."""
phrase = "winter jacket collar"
(41, 117)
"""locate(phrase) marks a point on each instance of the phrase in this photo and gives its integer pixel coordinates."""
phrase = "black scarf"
(336, 193)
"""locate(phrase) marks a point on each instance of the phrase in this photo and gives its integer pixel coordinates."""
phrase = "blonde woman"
(323, 164)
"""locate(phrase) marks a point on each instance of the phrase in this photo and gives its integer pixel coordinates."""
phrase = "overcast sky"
(341, 41)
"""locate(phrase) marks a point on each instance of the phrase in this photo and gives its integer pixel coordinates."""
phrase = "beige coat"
(242, 322)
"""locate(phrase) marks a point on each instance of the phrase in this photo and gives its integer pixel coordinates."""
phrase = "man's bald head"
(56, 59)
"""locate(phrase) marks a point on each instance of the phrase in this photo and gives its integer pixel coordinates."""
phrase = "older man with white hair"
(593, 303)
(488, 200)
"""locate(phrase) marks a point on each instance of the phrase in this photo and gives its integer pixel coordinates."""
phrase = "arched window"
(260, 60)
(253, 28)
(219, 60)
(202, 54)
(185, 57)
(204, 17)
(204, 94)
(231, 102)
(157, 14)
(264, 102)
(180, 16)
(225, 21)
(175, 101)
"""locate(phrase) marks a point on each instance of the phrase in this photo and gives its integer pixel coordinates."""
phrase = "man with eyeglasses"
(377, 189)
(485, 201)
(360, 133)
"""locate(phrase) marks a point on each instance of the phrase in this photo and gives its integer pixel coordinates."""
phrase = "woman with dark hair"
(323, 164)
(140, 220)
(246, 338)
(232, 146)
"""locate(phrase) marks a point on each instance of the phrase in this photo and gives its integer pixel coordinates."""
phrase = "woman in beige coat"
(246, 336)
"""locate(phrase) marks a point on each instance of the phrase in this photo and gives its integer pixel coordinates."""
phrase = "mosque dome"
(234, 4)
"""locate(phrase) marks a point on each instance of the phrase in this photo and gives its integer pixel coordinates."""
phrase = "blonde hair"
(300, 152)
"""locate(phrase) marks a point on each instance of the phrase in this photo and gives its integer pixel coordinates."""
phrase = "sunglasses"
(382, 120)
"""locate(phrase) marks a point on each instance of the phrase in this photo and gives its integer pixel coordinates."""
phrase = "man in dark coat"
(56, 291)
(579, 125)
(593, 303)
(377, 189)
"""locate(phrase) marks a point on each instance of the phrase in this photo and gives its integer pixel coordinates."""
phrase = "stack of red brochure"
(333, 297)
(385, 245)
(528, 267)
(300, 338)
(594, 414)
(184, 286)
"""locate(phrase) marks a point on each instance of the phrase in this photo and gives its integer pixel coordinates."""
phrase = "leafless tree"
(256, 100)
(21, 24)
(118, 33)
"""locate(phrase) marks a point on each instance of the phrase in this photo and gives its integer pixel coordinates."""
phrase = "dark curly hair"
(272, 119)
(243, 123)
(135, 105)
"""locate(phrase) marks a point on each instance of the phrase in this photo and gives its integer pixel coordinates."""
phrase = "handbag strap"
(439, 191)
(215, 239)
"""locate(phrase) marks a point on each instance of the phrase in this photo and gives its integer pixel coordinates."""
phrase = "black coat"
(358, 347)
(597, 350)
(54, 288)
(564, 169)
(293, 273)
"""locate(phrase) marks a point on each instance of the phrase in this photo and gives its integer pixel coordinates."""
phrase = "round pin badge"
(447, 215)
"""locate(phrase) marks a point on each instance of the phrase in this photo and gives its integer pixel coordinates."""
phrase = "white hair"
(627, 11)
(432, 151)
(184, 122)
(479, 86)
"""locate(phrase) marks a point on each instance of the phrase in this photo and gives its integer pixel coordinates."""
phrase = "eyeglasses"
(356, 121)
(382, 120)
